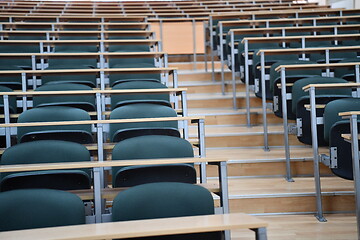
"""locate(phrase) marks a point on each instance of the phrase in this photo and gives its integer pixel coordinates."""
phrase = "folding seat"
(13, 82)
(323, 96)
(347, 73)
(162, 200)
(46, 151)
(75, 63)
(12, 101)
(334, 126)
(39, 208)
(334, 56)
(152, 147)
(291, 77)
(85, 102)
(124, 99)
(269, 60)
(121, 131)
(75, 133)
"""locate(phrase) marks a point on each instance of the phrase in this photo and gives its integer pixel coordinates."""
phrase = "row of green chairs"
(51, 208)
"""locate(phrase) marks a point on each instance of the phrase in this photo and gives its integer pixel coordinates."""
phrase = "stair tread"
(262, 187)
(259, 155)
(211, 130)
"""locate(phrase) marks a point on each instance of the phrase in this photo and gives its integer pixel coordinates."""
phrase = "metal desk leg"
(319, 214)
(356, 168)
(224, 192)
(260, 233)
(286, 135)
(263, 99)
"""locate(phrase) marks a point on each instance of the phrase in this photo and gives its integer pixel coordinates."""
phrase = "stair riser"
(248, 141)
(240, 119)
(214, 88)
(268, 169)
(291, 204)
(202, 77)
(225, 103)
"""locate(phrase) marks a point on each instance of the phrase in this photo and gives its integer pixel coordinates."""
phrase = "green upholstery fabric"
(142, 110)
(46, 151)
(276, 76)
(119, 78)
(86, 102)
(53, 114)
(161, 200)
(347, 73)
(38, 208)
(298, 93)
(12, 100)
(11, 81)
(152, 147)
(123, 99)
(332, 109)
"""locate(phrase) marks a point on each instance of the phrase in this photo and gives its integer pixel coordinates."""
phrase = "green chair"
(347, 73)
(334, 127)
(323, 96)
(118, 100)
(121, 131)
(46, 151)
(12, 101)
(334, 57)
(152, 147)
(13, 82)
(85, 102)
(120, 78)
(75, 133)
(39, 208)
(164, 200)
(291, 77)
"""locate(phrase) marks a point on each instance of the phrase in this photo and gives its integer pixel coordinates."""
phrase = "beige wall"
(178, 37)
(348, 4)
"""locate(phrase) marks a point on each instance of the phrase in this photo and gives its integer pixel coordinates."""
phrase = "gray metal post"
(356, 168)
(205, 47)
(184, 113)
(222, 61)
(260, 233)
(202, 150)
(194, 43)
(247, 80)
(23, 89)
(33, 67)
(7, 120)
(224, 198)
(286, 130)
(327, 60)
(314, 138)
(212, 49)
(263, 99)
(233, 80)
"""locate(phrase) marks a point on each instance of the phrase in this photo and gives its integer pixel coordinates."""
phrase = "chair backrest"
(11, 81)
(46, 151)
(121, 131)
(298, 94)
(86, 102)
(276, 76)
(347, 73)
(120, 78)
(332, 110)
(334, 127)
(38, 208)
(152, 147)
(161, 200)
(12, 100)
(118, 100)
(75, 133)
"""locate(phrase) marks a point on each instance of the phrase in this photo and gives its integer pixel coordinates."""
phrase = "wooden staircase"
(256, 177)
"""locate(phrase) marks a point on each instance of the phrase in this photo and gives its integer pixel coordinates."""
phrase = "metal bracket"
(333, 157)
(276, 103)
(252, 88)
(270, 106)
(299, 127)
(325, 159)
(292, 128)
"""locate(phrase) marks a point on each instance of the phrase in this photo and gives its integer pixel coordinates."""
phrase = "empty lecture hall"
(180, 119)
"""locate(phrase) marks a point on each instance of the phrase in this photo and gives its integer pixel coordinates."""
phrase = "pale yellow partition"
(177, 37)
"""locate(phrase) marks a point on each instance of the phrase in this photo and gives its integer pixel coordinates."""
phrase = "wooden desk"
(144, 228)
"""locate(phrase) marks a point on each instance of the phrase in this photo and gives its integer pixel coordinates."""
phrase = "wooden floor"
(305, 227)
(256, 177)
